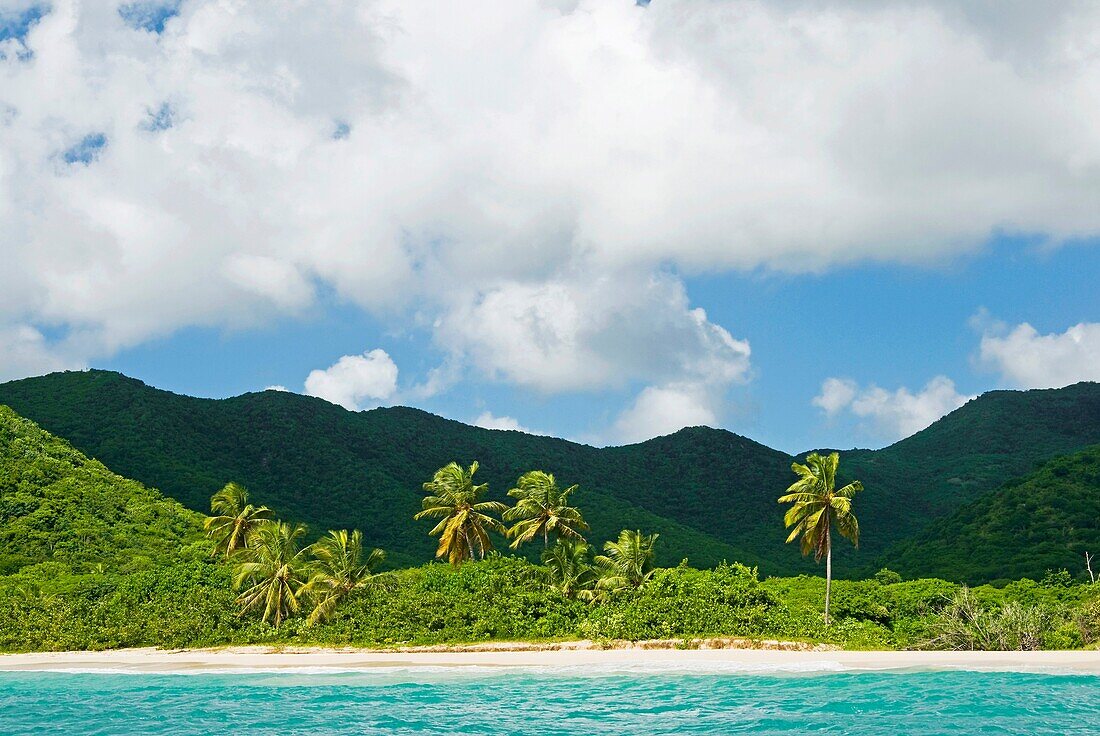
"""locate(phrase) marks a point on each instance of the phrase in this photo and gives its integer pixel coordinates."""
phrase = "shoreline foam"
(577, 658)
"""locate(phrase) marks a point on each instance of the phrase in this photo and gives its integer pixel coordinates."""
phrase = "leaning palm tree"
(274, 569)
(339, 568)
(465, 522)
(628, 562)
(816, 505)
(233, 519)
(542, 509)
(570, 566)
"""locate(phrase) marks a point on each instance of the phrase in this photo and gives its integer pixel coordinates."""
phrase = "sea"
(515, 700)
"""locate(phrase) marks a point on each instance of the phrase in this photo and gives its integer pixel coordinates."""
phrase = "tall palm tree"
(570, 566)
(339, 567)
(542, 508)
(275, 570)
(233, 519)
(465, 522)
(816, 505)
(627, 563)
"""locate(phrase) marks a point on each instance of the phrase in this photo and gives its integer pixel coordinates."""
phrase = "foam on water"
(460, 670)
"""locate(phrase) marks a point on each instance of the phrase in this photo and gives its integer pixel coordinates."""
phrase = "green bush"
(682, 601)
(192, 603)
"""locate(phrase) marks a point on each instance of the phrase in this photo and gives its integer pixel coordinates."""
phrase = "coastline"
(244, 659)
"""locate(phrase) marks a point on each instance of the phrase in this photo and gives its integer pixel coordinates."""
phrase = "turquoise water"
(481, 701)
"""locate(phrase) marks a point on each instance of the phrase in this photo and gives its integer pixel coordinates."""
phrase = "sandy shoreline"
(245, 659)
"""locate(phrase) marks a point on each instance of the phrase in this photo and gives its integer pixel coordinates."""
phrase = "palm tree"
(275, 569)
(233, 519)
(571, 570)
(816, 505)
(542, 508)
(628, 562)
(465, 522)
(339, 568)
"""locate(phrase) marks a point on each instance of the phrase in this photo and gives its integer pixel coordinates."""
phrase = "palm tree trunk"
(828, 571)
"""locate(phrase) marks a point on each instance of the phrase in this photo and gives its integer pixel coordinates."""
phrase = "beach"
(570, 655)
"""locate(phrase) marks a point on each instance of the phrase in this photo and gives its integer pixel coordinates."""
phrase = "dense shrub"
(966, 624)
(683, 601)
(192, 603)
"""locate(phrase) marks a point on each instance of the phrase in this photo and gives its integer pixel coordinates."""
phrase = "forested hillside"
(710, 493)
(320, 464)
(1044, 521)
(59, 508)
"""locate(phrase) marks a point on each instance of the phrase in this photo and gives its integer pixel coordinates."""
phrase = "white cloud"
(894, 414)
(836, 394)
(660, 410)
(24, 352)
(582, 333)
(277, 387)
(488, 420)
(499, 152)
(355, 378)
(579, 333)
(1027, 359)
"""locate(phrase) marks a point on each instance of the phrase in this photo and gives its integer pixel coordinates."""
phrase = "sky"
(818, 224)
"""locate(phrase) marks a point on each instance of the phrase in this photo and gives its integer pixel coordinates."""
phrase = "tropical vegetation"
(816, 505)
(465, 522)
(273, 570)
(233, 519)
(627, 563)
(340, 568)
(91, 560)
(543, 509)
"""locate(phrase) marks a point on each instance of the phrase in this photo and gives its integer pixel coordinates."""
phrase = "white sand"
(317, 659)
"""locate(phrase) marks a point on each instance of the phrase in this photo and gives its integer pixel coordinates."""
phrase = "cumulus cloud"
(353, 379)
(25, 352)
(660, 410)
(1027, 359)
(836, 394)
(893, 414)
(488, 420)
(580, 332)
(452, 161)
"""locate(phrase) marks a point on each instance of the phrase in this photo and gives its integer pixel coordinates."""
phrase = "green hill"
(315, 462)
(710, 493)
(59, 507)
(973, 450)
(1044, 521)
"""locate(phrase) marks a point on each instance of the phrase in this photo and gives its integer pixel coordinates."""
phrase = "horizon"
(800, 225)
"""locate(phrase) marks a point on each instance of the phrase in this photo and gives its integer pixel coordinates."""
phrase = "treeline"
(619, 594)
(279, 578)
(507, 598)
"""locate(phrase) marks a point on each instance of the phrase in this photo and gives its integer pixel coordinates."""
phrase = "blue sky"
(811, 222)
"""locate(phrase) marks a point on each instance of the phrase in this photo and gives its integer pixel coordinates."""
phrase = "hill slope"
(973, 450)
(709, 492)
(58, 506)
(318, 463)
(1044, 521)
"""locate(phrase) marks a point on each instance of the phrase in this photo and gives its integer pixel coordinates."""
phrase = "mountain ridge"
(710, 492)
